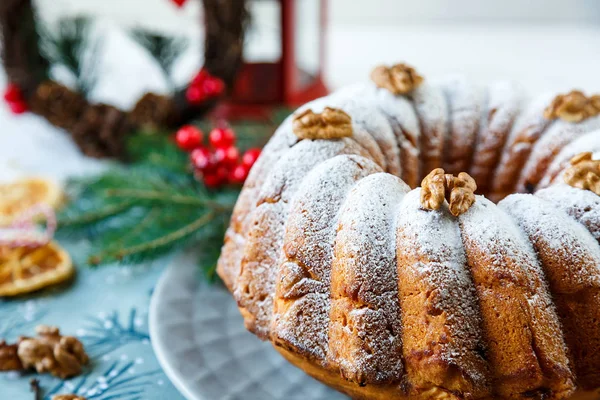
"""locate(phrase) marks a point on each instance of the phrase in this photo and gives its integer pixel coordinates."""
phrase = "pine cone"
(61, 106)
(100, 131)
(153, 111)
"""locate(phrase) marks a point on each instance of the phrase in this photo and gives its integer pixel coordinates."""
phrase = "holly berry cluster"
(221, 162)
(14, 98)
(203, 87)
(179, 3)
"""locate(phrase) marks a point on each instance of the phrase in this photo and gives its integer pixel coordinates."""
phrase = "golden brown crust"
(364, 321)
(332, 378)
(465, 102)
(302, 292)
(441, 329)
(526, 351)
(503, 108)
(527, 130)
(570, 260)
(256, 283)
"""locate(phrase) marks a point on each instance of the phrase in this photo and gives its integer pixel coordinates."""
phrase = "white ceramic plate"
(200, 341)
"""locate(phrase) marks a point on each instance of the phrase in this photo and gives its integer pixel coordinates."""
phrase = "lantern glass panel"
(263, 37)
(308, 38)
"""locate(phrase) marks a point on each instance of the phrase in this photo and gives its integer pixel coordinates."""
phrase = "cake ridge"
(436, 291)
(254, 291)
(552, 141)
(587, 142)
(465, 100)
(503, 107)
(364, 288)
(515, 303)
(303, 283)
(571, 260)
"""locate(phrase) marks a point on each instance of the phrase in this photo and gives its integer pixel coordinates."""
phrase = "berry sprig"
(179, 3)
(204, 86)
(220, 162)
(14, 98)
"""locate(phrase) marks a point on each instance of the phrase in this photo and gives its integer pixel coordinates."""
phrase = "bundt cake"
(385, 290)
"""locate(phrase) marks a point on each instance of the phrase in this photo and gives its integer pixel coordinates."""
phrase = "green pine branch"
(153, 206)
(139, 213)
(164, 50)
(72, 44)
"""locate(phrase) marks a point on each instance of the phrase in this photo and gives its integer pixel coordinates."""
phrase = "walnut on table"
(9, 359)
(61, 356)
(68, 397)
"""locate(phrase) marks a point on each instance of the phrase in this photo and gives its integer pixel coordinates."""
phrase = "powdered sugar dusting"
(367, 115)
(365, 332)
(588, 142)
(402, 118)
(256, 284)
(571, 260)
(526, 131)
(503, 107)
(558, 237)
(550, 144)
(229, 265)
(465, 102)
(437, 297)
(432, 110)
(583, 205)
(305, 267)
(514, 297)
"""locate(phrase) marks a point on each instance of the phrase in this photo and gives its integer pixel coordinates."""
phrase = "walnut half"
(574, 106)
(9, 359)
(67, 397)
(437, 187)
(332, 123)
(62, 356)
(398, 79)
(584, 173)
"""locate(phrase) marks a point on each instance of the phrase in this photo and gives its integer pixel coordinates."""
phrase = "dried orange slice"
(26, 269)
(16, 197)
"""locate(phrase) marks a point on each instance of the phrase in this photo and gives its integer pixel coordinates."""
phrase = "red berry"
(18, 107)
(212, 87)
(200, 77)
(179, 3)
(250, 157)
(212, 180)
(188, 137)
(239, 173)
(222, 173)
(221, 137)
(13, 94)
(227, 156)
(202, 159)
(195, 95)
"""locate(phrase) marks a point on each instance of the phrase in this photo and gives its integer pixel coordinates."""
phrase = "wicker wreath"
(100, 129)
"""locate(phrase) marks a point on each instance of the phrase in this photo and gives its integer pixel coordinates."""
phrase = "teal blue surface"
(107, 308)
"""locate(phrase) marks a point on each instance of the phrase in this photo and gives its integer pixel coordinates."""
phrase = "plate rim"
(157, 346)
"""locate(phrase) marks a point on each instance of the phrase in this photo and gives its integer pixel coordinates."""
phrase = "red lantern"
(295, 76)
